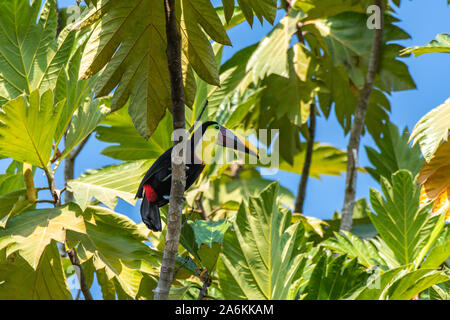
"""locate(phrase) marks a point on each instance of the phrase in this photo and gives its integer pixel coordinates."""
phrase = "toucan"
(154, 189)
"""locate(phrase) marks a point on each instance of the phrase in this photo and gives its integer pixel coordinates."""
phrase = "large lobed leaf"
(30, 57)
(394, 154)
(19, 281)
(30, 233)
(129, 41)
(334, 278)
(118, 128)
(109, 183)
(399, 284)
(27, 126)
(203, 239)
(399, 221)
(364, 250)
(115, 246)
(261, 254)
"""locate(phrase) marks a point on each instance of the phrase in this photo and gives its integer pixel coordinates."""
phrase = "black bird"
(156, 184)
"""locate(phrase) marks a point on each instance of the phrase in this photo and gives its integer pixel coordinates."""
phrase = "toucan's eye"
(217, 128)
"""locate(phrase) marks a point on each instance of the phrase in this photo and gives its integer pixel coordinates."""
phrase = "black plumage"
(159, 177)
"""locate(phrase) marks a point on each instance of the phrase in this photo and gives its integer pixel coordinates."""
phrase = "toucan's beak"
(231, 140)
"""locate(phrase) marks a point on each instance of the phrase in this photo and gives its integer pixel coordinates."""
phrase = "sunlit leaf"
(125, 258)
(260, 255)
(30, 57)
(441, 44)
(27, 126)
(30, 233)
(109, 183)
(432, 129)
(19, 281)
(399, 221)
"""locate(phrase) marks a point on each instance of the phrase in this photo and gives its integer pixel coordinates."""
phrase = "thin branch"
(56, 194)
(199, 117)
(199, 204)
(69, 167)
(45, 201)
(80, 273)
(358, 124)
(308, 161)
(178, 167)
(80, 147)
(301, 194)
(204, 290)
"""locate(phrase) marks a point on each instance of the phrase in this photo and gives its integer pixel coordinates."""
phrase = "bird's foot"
(168, 198)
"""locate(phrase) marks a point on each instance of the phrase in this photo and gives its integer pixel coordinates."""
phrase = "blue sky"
(422, 19)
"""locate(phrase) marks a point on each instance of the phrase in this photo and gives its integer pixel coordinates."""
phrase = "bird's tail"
(150, 215)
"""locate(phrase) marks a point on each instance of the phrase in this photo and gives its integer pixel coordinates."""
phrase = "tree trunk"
(358, 124)
(178, 167)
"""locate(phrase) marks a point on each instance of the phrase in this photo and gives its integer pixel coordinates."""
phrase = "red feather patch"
(150, 193)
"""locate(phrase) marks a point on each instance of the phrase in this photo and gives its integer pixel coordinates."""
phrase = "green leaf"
(19, 281)
(23, 135)
(441, 44)
(261, 8)
(129, 143)
(227, 194)
(413, 283)
(399, 284)
(440, 292)
(271, 55)
(130, 43)
(13, 178)
(116, 246)
(326, 160)
(11, 204)
(177, 293)
(327, 8)
(77, 93)
(348, 42)
(401, 224)
(260, 253)
(439, 252)
(432, 129)
(109, 183)
(334, 278)
(13, 194)
(84, 121)
(363, 250)
(30, 57)
(30, 233)
(394, 154)
(204, 240)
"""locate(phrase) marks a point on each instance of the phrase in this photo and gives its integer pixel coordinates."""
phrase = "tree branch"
(178, 167)
(301, 194)
(358, 124)
(204, 290)
(80, 273)
(199, 117)
(56, 194)
(69, 167)
(308, 161)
